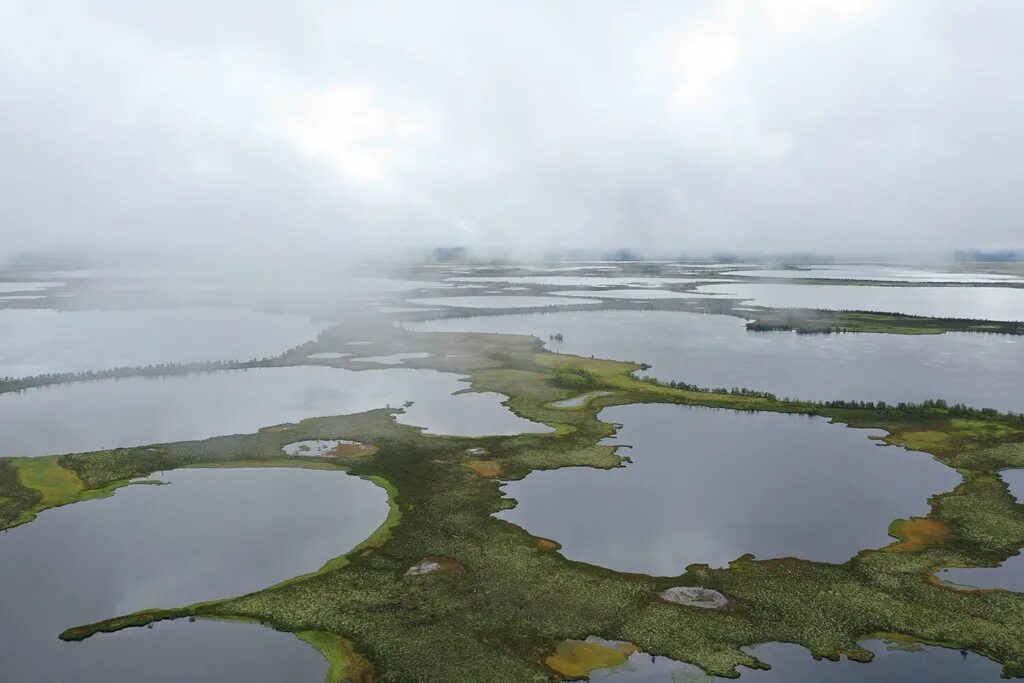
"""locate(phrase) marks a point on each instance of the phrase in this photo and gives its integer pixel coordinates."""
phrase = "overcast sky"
(829, 125)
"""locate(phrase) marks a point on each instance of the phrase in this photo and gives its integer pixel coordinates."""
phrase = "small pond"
(707, 486)
(41, 341)
(981, 370)
(246, 529)
(982, 303)
(86, 416)
(392, 359)
(794, 664)
(326, 448)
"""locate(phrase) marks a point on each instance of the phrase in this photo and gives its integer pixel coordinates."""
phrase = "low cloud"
(846, 126)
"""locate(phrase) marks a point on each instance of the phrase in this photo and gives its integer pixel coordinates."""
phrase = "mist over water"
(219, 217)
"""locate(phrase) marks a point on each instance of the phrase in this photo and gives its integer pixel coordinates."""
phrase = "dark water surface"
(710, 485)
(981, 370)
(211, 533)
(794, 664)
(87, 416)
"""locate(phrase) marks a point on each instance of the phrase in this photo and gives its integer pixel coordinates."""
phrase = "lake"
(42, 341)
(707, 486)
(981, 370)
(981, 303)
(211, 533)
(85, 416)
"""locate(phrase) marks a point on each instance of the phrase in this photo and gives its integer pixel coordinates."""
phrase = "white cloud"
(346, 126)
(819, 124)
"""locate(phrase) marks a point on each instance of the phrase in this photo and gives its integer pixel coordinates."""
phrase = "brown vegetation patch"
(547, 544)
(577, 658)
(352, 449)
(488, 469)
(917, 534)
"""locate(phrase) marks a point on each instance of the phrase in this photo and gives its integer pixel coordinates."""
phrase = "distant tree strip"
(15, 384)
(931, 405)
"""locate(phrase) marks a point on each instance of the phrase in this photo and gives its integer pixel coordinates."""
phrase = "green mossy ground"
(517, 598)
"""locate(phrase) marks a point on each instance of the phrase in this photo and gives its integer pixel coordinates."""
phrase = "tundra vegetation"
(508, 606)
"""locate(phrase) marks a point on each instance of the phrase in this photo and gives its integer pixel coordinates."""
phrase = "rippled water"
(707, 486)
(710, 350)
(40, 341)
(211, 533)
(88, 416)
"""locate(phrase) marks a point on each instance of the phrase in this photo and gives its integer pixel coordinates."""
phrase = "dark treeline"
(13, 384)
(829, 321)
(734, 391)
(8, 384)
(930, 405)
(781, 327)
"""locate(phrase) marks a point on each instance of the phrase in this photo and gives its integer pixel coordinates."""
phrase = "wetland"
(480, 510)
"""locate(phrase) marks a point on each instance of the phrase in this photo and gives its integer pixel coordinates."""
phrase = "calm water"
(710, 485)
(88, 416)
(982, 303)
(511, 301)
(875, 272)
(1015, 480)
(631, 294)
(579, 280)
(98, 559)
(40, 341)
(392, 359)
(1010, 574)
(712, 350)
(794, 664)
(22, 286)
